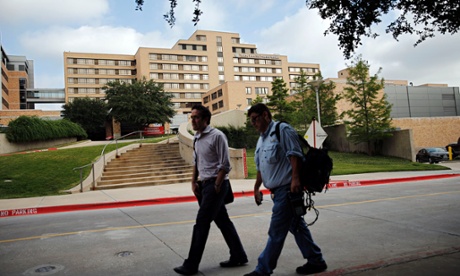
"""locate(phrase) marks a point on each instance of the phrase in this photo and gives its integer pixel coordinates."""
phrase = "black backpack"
(316, 168)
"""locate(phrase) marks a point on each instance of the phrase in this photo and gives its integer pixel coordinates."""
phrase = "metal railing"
(102, 157)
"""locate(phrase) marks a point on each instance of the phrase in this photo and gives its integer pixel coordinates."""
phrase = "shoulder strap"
(277, 133)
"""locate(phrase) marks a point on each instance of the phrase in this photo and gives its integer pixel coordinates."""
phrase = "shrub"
(30, 129)
(240, 137)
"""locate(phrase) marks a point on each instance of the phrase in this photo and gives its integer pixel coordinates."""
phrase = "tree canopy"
(139, 103)
(369, 118)
(282, 109)
(305, 101)
(89, 113)
(353, 19)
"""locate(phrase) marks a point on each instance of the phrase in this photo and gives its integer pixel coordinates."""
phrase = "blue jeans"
(282, 221)
(212, 208)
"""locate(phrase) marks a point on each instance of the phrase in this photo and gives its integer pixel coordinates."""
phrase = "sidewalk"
(181, 192)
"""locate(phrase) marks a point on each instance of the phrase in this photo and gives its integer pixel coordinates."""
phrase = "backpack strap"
(277, 133)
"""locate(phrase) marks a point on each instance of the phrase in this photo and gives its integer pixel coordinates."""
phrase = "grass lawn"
(48, 172)
(351, 163)
(51, 172)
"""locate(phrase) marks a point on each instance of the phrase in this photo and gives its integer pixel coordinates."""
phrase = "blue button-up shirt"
(272, 158)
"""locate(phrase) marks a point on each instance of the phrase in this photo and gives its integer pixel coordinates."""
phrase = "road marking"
(47, 236)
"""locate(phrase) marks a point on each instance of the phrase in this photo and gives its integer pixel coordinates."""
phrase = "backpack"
(316, 166)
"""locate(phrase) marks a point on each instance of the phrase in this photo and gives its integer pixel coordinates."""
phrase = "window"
(235, 60)
(204, 68)
(124, 63)
(204, 59)
(220, 59)
(219, 49)
(153, 66)
(248, 90)
(220, 68)
(124, 72)
(201, 37)
(206, 86)
(205, 77)
(261, 90)
(154, 76)
(153, 56)
(249, 101)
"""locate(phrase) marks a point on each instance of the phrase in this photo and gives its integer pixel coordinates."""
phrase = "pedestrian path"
(181, 192)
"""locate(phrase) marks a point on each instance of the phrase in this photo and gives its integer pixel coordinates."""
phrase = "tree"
(89, 113)
(369, 119)
(305, 101)
(282, 109)
(352, 19)
(139, 103)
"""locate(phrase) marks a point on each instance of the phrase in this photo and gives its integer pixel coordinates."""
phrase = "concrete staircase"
(149, 165)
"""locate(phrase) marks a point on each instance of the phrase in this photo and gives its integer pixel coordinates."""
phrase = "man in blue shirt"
(212, 163)
(277, 165)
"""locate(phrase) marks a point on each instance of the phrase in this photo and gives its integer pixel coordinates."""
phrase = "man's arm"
(257, 193)
(296, 167)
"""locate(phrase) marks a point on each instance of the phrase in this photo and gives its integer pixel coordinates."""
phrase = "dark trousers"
(212, 208)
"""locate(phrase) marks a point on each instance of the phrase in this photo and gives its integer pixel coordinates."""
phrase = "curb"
(182, 199)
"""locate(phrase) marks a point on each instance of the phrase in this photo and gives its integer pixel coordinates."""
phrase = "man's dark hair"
(259, 108)
(204, 112)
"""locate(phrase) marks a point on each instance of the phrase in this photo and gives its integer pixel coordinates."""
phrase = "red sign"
(154, 130)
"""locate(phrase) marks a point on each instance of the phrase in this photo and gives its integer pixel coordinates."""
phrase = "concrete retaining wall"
(7, 147)
(237, 156)
(399, 145)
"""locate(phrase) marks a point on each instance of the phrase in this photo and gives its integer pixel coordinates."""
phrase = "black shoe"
(254, 273)
(233, 263)
(310, 268)
(185, 271)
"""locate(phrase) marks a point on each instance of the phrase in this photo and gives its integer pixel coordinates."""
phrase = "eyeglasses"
(195, 117)
(254, 119)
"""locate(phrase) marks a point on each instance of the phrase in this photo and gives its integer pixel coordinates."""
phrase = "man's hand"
(196, 189)
(258, 196)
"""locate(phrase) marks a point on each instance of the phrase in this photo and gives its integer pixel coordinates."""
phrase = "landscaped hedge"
(30, 129)
(241, 137)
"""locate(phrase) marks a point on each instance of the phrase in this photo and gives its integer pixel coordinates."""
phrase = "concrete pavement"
(181, 192)
(445, 262)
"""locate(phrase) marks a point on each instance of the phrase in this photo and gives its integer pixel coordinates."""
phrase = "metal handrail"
(102, 155)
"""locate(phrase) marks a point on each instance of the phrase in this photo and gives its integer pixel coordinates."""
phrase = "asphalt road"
(360, 229)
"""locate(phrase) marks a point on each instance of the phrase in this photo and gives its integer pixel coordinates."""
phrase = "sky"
(42, 30)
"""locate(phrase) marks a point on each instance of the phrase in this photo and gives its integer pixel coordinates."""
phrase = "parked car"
(432, 155)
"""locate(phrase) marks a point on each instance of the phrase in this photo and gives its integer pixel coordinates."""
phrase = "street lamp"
(316, 84)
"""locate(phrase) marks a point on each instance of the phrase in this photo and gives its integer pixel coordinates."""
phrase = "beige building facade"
(191, 70)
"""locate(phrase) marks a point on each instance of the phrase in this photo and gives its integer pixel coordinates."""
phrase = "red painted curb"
(181, 199)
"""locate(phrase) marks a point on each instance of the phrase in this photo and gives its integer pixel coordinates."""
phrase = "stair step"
(151, 164)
